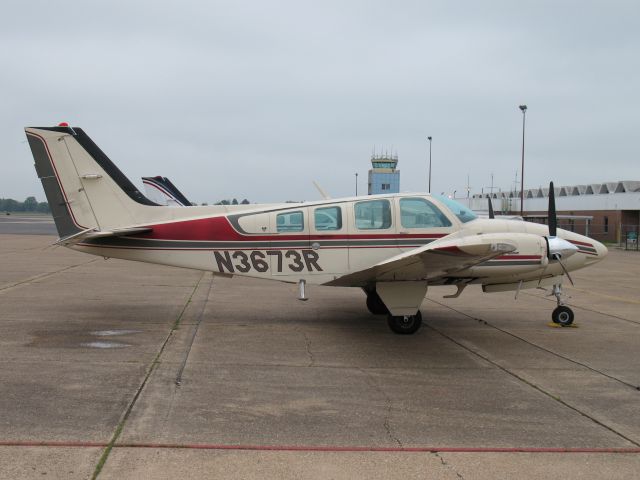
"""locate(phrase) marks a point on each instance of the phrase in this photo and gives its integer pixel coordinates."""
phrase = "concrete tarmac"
(26, 224)
(115, 369)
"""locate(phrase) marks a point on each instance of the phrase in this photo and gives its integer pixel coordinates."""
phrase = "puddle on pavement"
(105, 345)
(112, 333)
(102, 339)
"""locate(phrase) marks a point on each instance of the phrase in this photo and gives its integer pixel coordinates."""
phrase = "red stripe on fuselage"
(581, 243)
(220, 229)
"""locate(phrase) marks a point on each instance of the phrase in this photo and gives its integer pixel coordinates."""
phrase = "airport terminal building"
(607, 211)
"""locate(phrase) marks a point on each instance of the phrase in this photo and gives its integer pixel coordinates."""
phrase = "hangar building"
(605, 211)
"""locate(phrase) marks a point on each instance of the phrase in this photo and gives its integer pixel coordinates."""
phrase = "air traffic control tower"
(383, 177)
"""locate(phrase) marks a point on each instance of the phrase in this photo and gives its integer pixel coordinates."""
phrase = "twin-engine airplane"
(393, 247)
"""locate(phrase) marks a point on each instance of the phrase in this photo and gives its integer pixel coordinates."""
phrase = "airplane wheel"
(405, 324)
(562, 315)
(375, 304)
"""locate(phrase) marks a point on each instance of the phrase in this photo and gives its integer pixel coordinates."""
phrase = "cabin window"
(328, 218)
(290, 222)
(419, 213)
(373, 215)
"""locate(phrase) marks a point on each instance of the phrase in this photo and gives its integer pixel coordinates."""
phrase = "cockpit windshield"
(463, 213)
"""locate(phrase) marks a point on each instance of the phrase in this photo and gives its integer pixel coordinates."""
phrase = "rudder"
(85, 189)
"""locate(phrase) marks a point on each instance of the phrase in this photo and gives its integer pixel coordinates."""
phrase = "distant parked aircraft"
(163, 192)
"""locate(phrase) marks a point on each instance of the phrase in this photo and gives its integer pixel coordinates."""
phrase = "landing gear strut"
(375, 304)
(562, 315)
(405, 324)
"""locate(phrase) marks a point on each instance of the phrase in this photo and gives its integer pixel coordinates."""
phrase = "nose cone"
(559, 247)
(601, 250)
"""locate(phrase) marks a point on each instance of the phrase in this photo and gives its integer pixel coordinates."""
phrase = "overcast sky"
(258, 99)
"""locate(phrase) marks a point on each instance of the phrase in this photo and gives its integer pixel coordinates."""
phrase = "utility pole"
(356, 184)
(524, 116)
(429, 138)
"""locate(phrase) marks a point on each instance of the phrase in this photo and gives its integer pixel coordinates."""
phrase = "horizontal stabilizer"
(93, 233)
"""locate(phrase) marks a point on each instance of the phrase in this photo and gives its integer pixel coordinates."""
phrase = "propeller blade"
(491, 214)
(566, 272)
(553, 220)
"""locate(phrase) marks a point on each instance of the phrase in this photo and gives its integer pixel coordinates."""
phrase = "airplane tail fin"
(85, 190)
(162, 191)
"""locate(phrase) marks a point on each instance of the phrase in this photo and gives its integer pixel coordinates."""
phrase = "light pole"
(356, 184)
(524, 116)
(429, 138)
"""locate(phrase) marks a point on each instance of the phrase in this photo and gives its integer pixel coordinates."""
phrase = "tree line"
(30, 204)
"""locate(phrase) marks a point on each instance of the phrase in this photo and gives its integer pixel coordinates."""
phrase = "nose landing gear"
(562, 315)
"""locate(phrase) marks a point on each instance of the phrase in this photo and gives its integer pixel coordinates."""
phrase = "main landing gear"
(400, 324)
(405, 324)
(375, 304)
(562, 315)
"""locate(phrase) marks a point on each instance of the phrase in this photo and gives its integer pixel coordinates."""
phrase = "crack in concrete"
(539, 347)
(178, 380)
(536, 387)
(152, 367)
(447, 465)
(389, 407)
(309, 352)
(40, 276)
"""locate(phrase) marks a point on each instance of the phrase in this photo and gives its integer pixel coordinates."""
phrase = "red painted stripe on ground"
(324, 448)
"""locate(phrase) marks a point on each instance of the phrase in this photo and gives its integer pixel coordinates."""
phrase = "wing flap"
(440, 258)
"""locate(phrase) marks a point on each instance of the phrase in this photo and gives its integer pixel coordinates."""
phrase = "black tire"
(562, 315)
(405, 324)
(375, 304)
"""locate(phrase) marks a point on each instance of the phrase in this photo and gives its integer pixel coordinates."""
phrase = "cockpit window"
(463, 213)
(420, 213)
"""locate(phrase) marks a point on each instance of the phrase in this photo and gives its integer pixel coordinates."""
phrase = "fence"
(630, 236)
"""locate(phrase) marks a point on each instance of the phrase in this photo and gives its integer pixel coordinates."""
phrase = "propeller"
(491, 214)
(557, 248)
(553, 219)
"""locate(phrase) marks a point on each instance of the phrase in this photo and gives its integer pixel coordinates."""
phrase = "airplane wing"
(438, 259)
(94, 233)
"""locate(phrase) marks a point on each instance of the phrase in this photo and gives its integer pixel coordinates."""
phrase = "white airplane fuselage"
(248, 243)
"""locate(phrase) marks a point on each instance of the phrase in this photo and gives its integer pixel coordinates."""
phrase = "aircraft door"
(290, 246)
(329, 239)
(373, 231)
